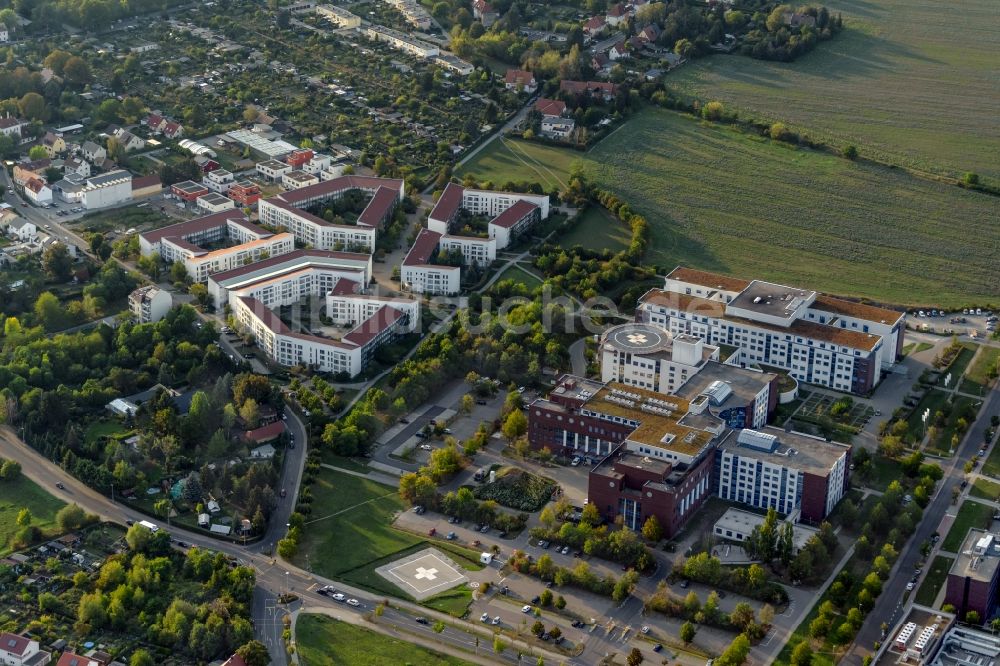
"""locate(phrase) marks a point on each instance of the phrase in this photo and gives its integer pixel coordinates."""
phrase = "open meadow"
(20, 493)
(725, 201)
(323, 641)
(910, 82)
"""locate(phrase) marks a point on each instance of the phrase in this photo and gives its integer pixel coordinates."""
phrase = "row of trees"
(579, 576)
(752, 581)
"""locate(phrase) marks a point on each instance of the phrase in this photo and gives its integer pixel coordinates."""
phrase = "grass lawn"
(943, 442)
(323, 641)
(598, 230)
(933, 400)
(992, 465)
(916, 348)
(985, 489)
(724, 201)
(20, 493)
(958, 364)
(103, 428)
(970, 514)
(360, 538)
(353, 464)
(976, 379)
(933, 72)
(935, 578)
(521, 276)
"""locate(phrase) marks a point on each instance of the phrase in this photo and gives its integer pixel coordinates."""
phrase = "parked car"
(496, 620)
(485, 617)
(450, 536)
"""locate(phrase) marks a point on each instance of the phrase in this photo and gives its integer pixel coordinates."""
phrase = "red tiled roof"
(550, 107)
(266, 433)
(345, 287)
(235, 660)
(171, 128)
(72, 659)
(10, 121)
(330, 187)
(514, 214)
(13, 643)
(617, 10)
(195, 226)
(578, 87)
(423, 248)
(515, 76)
(449, 202)
(383, 318)
(286, 258)
(35, 185)
(382, 202)
(595, 23)
(853, 309)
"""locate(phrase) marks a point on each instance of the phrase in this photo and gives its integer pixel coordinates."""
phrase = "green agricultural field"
(323, 641)
(725, 201)
(910, 82)
(20, 493)
(970, 514)
(508, 160)
(598, 230)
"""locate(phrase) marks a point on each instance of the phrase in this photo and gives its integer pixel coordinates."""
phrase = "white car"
(339, 597)
(353, 602)
(496, 620)
(526, 609)
(426, 447)
(485, 617)
(909, 586)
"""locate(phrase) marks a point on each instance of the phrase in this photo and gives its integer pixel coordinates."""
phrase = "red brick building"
(188, 190)
(975, 575)
(244, 193)
(297, 158)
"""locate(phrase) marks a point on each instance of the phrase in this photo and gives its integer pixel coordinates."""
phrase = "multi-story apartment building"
(219, 180)
(286, 210)
(288, 278)
(650, 357)
(213, 202)
(149, 304)
(245, 193)
(349, 355)
(511, 213)
(293, 180)
(401, 41)
(474, 251)
(273, 170)
(817, 339)
(346, 307)
(420, 276)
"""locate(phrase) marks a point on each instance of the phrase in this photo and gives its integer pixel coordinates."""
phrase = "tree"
(250, 413)
(688, 631)
(651, 529)
(971, 617)
(742, 615)
(57, 262)
(498, 645)
(712, 111)
(37, 153)
(634, 657)
(70, 517)
(142, 658)
(736, 653)
(33, 107)
(76, 71)
(10, 469)
(515, 425)
(24, 517)
(802, 655)
(851, 153)
(254, 653)
(970, 178)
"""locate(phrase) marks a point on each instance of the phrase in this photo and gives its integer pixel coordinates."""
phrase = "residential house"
(78, 166)
(11, 126)
(485, 12)
(602, 89)
(649, 34)
(173, 130)
(38, 192)
(73, 659)
(557, 128)
(265, 434)
(21, 229)
(617, 15)
(550, 107)
(235, 660)
(4, 34)
(21, 651)
(25, 171)
(518, 79)
(245, 193)
(797, 20)
(128, 140)
(601, 63)
(594, 26)
(53, 144)
(619, 51)
(155, 122)
(94, 153)
(206, 163)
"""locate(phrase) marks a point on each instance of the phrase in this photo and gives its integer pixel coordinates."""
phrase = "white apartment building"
(38, 192)
(346, 308)
(650, 357)
(273, 170)
(149, 304)
(295, 179)
(475, 251)
(288, 278)
(817, 339)
(512, 213)
(219, 180)
(18, 650)
(349, 355)
(789, 472)
(402, 42)
(213, 202)
(318, 164)
(285, 210)
(339, 16)
(420, 276)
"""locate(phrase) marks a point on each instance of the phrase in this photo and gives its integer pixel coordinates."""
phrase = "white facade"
(512, 213)
(402, 42)
(475, 251)
(420, 276)
(273, 170)
(295, 179)
(21, 229)
(107, 189)
(352, 309)
(20, 651)
(38, 192)
(218, 180)
(213, 202)
(200, 264)
(557, 128)
(651, 358)
(149, 304)
(338, 16)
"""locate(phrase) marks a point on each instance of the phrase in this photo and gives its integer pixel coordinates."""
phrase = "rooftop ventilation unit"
(754, 439)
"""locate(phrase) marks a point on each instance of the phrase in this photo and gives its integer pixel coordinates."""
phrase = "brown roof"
(449, 202)
(707, 279)
(35, 185)
(142, 182)
(617, 10)
(285, 258)
(854, 309)
(514, 214)
(382, 202)
(579, 87)
(266, 433)
(344, 287)
(73, 659)
(194, 226)
(13, 643)
(515, 76)
(330, 187)
(10, 121)
(550, 107)
(423, 248)
(366, 331)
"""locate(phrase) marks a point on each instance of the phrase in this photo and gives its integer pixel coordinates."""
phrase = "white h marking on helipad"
(428, 574)
(636, 338)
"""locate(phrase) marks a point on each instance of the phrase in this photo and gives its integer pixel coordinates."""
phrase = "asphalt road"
(889, 608)
(381, 454)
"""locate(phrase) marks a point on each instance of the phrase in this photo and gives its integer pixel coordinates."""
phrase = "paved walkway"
(371, 476)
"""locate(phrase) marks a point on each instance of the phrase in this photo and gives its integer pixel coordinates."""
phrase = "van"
(152, 527)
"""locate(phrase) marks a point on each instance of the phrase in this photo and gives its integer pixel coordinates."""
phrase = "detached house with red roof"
(38, 191)
(595, 26)
(485, 12)
(21, 651)
(518, 79)
(619, 51)
(616, 15)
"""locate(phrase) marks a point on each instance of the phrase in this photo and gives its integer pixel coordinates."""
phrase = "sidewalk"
(371, 476)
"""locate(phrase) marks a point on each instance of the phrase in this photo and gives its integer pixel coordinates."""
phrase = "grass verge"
(935, 578)
(971, 514)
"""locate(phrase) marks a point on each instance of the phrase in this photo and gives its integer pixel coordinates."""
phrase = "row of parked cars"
(329, 591)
